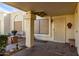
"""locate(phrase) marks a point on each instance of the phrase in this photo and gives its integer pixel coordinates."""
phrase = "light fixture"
(40, 13)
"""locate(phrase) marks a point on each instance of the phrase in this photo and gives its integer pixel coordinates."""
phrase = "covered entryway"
(57, 26)
(60, 9)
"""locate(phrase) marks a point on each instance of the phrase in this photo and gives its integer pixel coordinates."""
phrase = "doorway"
(59, 30)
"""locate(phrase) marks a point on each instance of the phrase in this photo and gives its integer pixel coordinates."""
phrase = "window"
(41, 26)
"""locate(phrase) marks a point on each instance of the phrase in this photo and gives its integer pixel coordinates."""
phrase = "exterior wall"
(7, 21)
(1, 23)
(4, 23)
(76, 29)
(7, 24)
(16, 17)
(69, 33)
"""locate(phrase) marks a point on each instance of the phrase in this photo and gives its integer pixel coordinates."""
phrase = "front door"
(59, 30)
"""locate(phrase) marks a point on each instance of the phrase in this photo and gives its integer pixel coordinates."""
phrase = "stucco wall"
(76, 26)
(7, 21)
(7, 24)
(17, 16)
(69, 33)
(76, 29)
(1, 23)
(4, 23)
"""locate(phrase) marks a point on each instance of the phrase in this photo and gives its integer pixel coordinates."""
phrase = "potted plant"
(14, 38)
(14, 32)
(3, 43)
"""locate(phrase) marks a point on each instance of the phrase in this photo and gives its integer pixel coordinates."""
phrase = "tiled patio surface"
(48, 49)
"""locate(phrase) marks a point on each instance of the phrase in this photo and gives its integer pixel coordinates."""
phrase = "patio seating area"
(14, 44)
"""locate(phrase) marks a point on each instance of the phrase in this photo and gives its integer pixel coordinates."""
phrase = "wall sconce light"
(51, 20)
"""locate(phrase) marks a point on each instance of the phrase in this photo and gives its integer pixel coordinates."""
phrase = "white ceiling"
(51, 8)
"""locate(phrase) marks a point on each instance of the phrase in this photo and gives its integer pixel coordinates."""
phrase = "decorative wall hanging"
(69, 25)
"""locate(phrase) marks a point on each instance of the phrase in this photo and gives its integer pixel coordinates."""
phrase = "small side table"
(72, 42)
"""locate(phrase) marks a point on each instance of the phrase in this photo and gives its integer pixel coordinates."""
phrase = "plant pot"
(2, 52)
(14, 39)
(72, 42)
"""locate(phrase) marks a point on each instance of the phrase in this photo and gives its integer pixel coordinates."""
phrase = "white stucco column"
(29, 29)
(50, 26)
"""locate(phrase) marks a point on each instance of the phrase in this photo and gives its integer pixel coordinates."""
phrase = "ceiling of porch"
(51, 8)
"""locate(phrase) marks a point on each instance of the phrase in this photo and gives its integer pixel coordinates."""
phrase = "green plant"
(3, 42)
(14, 32)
